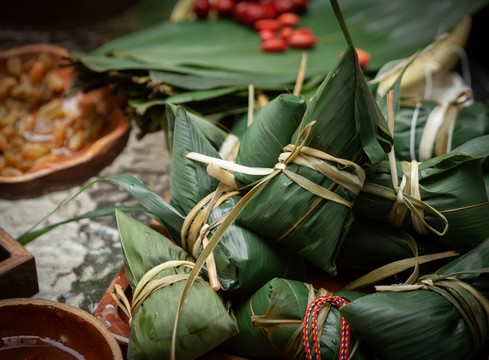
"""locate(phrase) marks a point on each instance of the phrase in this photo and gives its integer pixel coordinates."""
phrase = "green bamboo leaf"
(100, 212)
(158, 207)
(270, 131)
(189, 181)
(213, 132)
(211, 80)
(144, 248)
(223, 45)
(370, 244)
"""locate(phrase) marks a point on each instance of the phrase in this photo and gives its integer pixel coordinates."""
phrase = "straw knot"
(428, 282)
(400, 190)
(205, 230)
(280, 166)
(472, 305)
(148, 285)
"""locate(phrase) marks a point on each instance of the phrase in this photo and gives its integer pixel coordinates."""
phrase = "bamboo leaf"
(160, 209)
(189, 181)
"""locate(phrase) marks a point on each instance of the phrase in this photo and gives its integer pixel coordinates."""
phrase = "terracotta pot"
(76, 168)
(44, 329)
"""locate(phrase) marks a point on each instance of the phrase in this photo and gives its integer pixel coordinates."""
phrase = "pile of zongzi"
(315, 188)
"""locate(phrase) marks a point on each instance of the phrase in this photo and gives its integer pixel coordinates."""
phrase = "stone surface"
(77, 261)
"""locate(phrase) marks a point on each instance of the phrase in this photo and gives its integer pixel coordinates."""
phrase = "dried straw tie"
(299, 154)
(196, 229)
(438, 130)
(469, 302)
(146, 286)
(406, 196)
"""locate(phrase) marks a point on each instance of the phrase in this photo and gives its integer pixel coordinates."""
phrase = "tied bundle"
(446, 116)
(444, 315)
(243, 260)
(275, 321)
(444, 197)
(305, 200)
(157, 270)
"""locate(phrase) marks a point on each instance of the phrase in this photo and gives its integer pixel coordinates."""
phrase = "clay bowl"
(77, 167)
(43, 329)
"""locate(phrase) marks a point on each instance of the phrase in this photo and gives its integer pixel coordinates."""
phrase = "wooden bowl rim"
(101, 329)
(117, 120)
(33, 48)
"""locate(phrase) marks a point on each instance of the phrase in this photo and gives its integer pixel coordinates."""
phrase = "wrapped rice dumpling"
(271, 323)
(205, 321)
(451, 191)
(244, 260)
(444, 315)
(305, 202)
(436, 129)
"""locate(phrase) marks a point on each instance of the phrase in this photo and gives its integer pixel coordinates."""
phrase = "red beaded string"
(313, 309)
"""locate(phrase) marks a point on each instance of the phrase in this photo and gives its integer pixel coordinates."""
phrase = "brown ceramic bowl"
(75, 168)
(43, 329)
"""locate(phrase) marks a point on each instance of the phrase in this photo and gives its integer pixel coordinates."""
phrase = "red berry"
(202, 8)
(240, 11)
(266, 34)
(305, 31)
(289, 19)
(285, 32)
(270, 10)
(363, 57)
(274, 45)
(224, 8)
(250, 12)
(284, 6)
(301, 41)
(271, 24)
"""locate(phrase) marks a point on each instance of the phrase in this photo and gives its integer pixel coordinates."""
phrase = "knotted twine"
(467, 300)
(313, 309)
(319, 306)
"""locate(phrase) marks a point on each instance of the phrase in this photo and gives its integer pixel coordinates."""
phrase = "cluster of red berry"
(275, 20)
